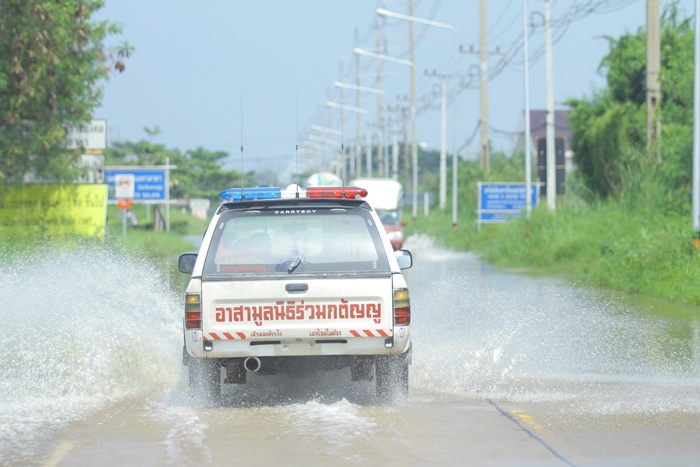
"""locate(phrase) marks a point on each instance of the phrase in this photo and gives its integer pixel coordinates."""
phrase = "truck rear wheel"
(205, 378)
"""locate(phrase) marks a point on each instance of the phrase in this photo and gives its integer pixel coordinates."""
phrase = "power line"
(577, 12)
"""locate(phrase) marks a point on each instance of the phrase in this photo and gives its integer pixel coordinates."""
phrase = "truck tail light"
(193, 311)
(402, 307)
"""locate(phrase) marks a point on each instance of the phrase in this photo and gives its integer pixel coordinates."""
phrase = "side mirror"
(185, 262)
(405, 258)
(404, 223)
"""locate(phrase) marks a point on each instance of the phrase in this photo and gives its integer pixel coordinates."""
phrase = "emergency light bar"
(260, 193)
(249, 194)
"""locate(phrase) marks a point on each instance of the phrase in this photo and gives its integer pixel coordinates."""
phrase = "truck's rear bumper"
(199, 346)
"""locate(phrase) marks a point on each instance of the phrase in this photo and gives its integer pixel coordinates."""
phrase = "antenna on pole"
(296, 130)
(242, 181)
(343, 173)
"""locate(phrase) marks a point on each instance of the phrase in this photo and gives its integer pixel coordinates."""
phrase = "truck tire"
(205, 378)
(392, 376)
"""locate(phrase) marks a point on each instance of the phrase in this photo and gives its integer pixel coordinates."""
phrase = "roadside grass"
(605, 245)
(144, 241)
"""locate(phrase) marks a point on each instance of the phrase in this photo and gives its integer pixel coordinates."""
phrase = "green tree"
(142, 152)
(53, 59)
(205, 174)
(609, 129)
(200, 173)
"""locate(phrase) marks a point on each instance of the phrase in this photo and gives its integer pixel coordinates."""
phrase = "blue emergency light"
(249, 194)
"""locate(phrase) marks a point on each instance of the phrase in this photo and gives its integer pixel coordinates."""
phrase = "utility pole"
(551, 185)
(394, 148)
(341, 156)
(405, 116)
(368, 156)
(414, 142)
(484, 150)
(358, 130)
(378, 85)
(411, 156)
(329, 146)
(403, 110)
(695, 221)
(484, 58)
(652, 81)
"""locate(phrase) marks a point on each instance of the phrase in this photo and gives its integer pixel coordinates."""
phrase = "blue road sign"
(502, 201)
(149, 184)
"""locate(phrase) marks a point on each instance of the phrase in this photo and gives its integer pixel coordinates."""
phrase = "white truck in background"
(385, 195)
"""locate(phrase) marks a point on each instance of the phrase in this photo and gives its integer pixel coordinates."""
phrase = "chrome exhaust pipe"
(252, 364)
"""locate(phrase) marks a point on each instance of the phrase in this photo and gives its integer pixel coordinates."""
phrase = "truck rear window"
(295, 241)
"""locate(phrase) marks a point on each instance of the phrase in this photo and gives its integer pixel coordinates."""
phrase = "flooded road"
(507, 370)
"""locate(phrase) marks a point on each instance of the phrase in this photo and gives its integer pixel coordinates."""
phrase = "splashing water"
(83, 329)
(480, 331)
(92, 328)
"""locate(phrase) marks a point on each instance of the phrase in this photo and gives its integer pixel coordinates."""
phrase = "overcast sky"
(220, 74)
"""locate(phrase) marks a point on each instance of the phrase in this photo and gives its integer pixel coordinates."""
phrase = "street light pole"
(412, 19)
(356, 87)
(551, 187)
(527, 138)
(342, 108)
(346, 107)
(339, 84)
(388, 58)
(414, 141)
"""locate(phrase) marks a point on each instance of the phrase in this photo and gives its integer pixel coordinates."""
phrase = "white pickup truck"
(289, 278)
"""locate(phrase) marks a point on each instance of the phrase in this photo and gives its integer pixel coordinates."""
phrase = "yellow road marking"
(58, 454)
(526, 418)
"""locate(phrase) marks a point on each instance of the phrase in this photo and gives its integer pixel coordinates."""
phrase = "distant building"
(538, 137)
(538, 129)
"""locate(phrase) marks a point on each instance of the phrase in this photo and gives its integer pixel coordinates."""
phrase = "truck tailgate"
(297, 309)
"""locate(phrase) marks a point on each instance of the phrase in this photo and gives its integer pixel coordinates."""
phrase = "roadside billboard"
(53, 210)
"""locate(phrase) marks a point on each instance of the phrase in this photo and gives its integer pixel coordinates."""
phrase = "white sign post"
(124, 190)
